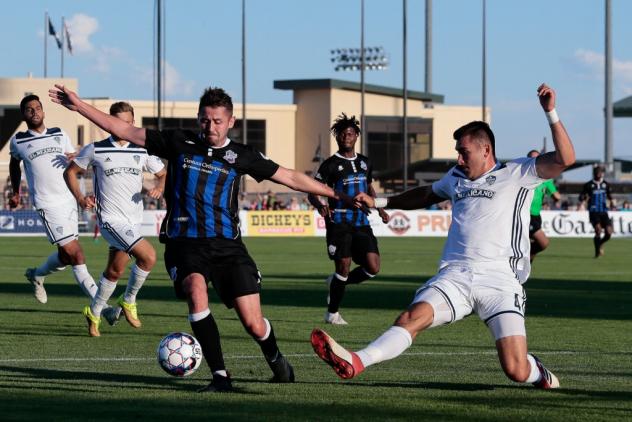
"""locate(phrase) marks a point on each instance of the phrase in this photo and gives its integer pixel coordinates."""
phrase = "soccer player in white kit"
(45, 152)
(486, 256)
(118, 178)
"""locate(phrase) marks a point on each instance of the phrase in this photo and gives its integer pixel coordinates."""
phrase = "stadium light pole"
(608, 91)
(363, 58)
(244, 121)
(405, 97)
(428, 61)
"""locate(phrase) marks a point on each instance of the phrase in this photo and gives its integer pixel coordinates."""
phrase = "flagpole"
(62, 46)
(45, 43)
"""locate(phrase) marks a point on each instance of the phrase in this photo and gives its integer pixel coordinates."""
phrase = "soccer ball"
(179, 354)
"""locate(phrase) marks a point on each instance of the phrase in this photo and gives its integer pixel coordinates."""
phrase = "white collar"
(345, 158)
(35, 133)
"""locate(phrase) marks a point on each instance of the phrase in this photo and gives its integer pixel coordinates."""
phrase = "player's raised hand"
(87, 202)
(64, 96)
(546, 94)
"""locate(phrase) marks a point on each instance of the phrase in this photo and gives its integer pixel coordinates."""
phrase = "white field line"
(295, 355)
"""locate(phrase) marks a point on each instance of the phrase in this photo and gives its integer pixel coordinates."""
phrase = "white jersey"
(490, 217)
(118, 178)
(43, 155)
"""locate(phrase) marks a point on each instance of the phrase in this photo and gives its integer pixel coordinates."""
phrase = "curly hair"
(342, 123)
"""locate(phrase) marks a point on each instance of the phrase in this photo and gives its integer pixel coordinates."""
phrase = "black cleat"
(282, 370)
(219, 384)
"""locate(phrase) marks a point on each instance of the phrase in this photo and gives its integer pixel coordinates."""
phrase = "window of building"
(386, 149)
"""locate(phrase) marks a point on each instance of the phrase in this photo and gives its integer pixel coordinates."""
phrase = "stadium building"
(294, 135)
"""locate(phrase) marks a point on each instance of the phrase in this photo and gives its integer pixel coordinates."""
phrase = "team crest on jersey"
(363, 165)
(129, 233)
(490, 180)
(230, 156)
(331, 249)
(57, 139)
(137, 159)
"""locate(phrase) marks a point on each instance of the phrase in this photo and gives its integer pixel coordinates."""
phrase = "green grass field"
(579, 322)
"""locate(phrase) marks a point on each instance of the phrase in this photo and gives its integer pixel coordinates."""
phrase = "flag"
(67, 34)
(51, 31)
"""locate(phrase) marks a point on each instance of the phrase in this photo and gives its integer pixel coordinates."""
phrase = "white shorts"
(496, 296)
(61, 223)
(121, 235)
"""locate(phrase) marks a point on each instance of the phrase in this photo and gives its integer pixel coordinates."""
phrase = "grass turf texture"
(579, 313)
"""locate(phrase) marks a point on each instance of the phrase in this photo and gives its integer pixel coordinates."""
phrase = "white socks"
(51, 265)
(388, 346)
(534, 375)
(85, 280)
(106, 288)
(199, 316)
(136, 279)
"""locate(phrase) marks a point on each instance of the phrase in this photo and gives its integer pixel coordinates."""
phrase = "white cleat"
(38, 285)
(334, 318)
(548, 380)
(112, 314)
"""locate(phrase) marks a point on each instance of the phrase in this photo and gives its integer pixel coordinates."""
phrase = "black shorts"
(535, 224)
(223, 262)
(600, 218)
(345, 240)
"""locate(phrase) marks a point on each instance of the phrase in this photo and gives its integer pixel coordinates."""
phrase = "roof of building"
(298, 84)
(622, 108)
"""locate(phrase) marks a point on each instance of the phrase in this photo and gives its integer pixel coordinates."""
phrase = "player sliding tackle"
(486, 256)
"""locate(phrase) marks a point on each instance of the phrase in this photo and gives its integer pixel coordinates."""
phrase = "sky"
(560, 42)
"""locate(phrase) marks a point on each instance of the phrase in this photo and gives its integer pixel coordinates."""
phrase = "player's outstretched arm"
(552, 164)
(412, 199)
(117, 127)
(161, 179)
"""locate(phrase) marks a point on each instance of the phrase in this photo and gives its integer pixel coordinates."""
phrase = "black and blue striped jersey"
(350, 176)
(203, 182)
(597, 193)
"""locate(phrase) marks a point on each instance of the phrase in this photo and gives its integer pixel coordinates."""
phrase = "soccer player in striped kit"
(349, 235)
(118, 180)
(201, 229)
(597, 193)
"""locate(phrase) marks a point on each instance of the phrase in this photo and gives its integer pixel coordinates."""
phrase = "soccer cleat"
(38, 285)
(282, 370)
(219, 384)
(346, 364)
(334, 318)
(328, 281)
(93, 322)
(112, 314)
(547, 379)
(130, 310)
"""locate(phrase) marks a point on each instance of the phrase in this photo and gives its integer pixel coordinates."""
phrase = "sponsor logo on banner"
(280, 223)
(399, 223)
(434, 223)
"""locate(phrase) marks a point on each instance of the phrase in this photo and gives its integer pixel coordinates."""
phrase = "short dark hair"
(343, 122)
(598, 168)
(28, 99)
(216, 97)
(479, 130)
(121, 107)
(533, 151)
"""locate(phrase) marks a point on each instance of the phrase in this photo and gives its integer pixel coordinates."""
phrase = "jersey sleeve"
(550, 187)
(608, 192)
(524, 172)
(585, 192)
(444, 186)
(258, 165)
(13, 149)
(154, 164)
(321, 174)
(369, 173)
(68, 146)
(85, 156)
(158, 142)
